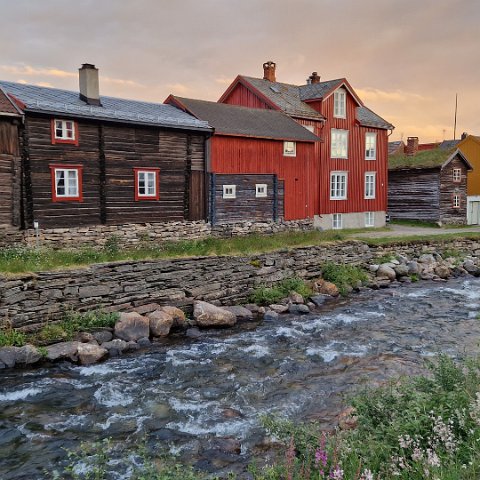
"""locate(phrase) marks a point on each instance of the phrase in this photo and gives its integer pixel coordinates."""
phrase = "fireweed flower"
(336, 473)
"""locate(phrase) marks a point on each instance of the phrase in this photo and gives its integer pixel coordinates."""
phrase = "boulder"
(160, 323)
(298, 309)
(208, 315)
(270, 315)
(144, 342)
(179, 319)
(240, 312)
(27, 355)
(149, 308)
(319, 300)
(103, 336)
(327, 288)
(116, 346)
(373, 268)
(193, 332)
(89, 353)
(132, 326)
(278, 308)
(295, 297)
(252, 307)
(442, 271)
(470, 267)
(401, 270)
(8, 356)
(426, 258)
(413, 268)
(386, 272)
(85, 337)
(63, 351)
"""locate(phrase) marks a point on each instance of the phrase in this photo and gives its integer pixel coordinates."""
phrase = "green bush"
(12, 338)
(344, 276)
(269, 295)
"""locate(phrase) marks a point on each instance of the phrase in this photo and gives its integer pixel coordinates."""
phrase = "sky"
(406, 59)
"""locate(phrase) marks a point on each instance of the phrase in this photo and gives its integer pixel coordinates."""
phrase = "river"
(185, 396)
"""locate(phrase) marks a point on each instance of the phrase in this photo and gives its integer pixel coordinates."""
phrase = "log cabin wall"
(10, 173)
(448, 188)
(246, 206)
(414, 194)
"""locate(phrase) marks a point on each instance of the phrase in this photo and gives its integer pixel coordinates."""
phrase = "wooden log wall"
(448, 188)
(246, 206)
(414, 194)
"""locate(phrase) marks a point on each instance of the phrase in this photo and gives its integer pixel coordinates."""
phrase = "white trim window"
(370, 146)
(147, 183)
(289, 149)
(260, 190)
(456, 200)
(66, 183)
(369, 219)
(457, 175)
(339, 143)
(229, 191)
(337, 221)
(64, 130)
(338, 185)
(340, 103)
(370, 183)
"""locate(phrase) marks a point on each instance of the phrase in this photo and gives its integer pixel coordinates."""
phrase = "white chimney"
(89, 86)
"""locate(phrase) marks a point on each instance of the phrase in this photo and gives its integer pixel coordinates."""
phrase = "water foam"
(19, 394)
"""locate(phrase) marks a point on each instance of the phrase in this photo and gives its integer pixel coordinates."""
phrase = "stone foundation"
(350, 220)
(10, 236)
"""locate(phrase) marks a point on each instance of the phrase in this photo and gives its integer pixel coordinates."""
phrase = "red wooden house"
(348, 181)
(249, 142)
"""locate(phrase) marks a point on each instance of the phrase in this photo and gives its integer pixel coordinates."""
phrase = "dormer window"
(340, 103)
(289, 149)
(64, 131)
(457, 175)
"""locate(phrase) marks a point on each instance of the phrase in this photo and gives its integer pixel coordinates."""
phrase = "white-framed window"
(229, 191)
(370, 146)
(289, 149)
(457, 175)
(146, 183)
(64, 130)
(369, 219)
(339, 143)
(340, 103)
(66, 183)
(370, 182)
(338, 185)
(337, 221)
(260, 190)
(456, 200)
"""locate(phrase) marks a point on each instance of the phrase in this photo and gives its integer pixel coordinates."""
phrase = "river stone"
(413, 268)
(132, 326)
(115, 346)
(470, 267)
(179, 319)
(89, 353)
(386, 272)
(278, 308)
(327, 288)
(85, 337)
(144, 342)
(426, 258)
(193, 332)
(240, 312)
(208, 315)
(27, 355)
(442, 271)
(295, 297)
(319, 300)
(160, 323)
(103, 336)
(270, 315)
(8, 356)
(298, 309)
(252, 307)
(63, 350)
(401, 270)
(373, 268)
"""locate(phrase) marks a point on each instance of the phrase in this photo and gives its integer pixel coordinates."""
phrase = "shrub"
(12, 338)
(344, 276)
(269, 295)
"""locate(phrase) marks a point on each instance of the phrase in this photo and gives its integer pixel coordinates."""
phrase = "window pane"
(141, 183)
(60, 182)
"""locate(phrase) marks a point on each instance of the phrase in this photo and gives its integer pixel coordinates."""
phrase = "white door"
(475, 213)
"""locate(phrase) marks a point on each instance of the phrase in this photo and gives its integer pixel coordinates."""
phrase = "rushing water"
(186, 395)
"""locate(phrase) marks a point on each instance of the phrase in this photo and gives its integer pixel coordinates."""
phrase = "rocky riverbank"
(149, 323)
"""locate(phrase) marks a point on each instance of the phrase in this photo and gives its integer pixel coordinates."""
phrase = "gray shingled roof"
(55, 101)
(318, 90)
(394, 147)
(448, 144)
(286, 96)
(367, 118)
(252, 122)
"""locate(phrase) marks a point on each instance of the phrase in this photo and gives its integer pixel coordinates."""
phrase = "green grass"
(268, 295)
(414, 223)
(12, 338)
(406, 240)
(344, 277)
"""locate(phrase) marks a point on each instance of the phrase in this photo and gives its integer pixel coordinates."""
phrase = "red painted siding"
(244, 155)
(245, 98)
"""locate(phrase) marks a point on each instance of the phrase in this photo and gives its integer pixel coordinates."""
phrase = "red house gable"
(350, 175)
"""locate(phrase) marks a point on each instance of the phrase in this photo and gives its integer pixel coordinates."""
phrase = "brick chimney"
(412, 146)
(269, 71)
(314, 78)
(89, 86)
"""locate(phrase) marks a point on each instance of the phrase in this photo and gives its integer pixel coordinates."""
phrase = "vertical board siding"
(9, 173)
(244, 97)
(254, 156)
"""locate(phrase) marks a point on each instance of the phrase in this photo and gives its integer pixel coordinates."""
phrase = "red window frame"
(77, 198)
(138, 196)
(55, 140)
(459, 200)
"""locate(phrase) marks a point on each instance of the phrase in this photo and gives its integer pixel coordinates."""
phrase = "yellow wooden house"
(470, 147)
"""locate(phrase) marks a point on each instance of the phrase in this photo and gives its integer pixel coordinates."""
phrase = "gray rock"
(252, 307)
(143, 342)
(240, 312)
(319, 300)
(193, 332)
(103, 336)
(278, 308)
(115, 346)
(8, 356)
(470, 267)
(426, 258)
(373, 268)
(149, 308)
(27, 355)
(208, 315)
(270, 315)
(89, 353)
(298, 309)
(132, 326)
(132, 346)
(386, 272)
(62, 351)
(442, 271)
(160, 323)
(401, 270)
(295, 297)
(413, 268)
(85, 337)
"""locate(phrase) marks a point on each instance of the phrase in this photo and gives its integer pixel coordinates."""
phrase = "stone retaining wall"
(29, 300)
(133, 234)
(10, 236)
